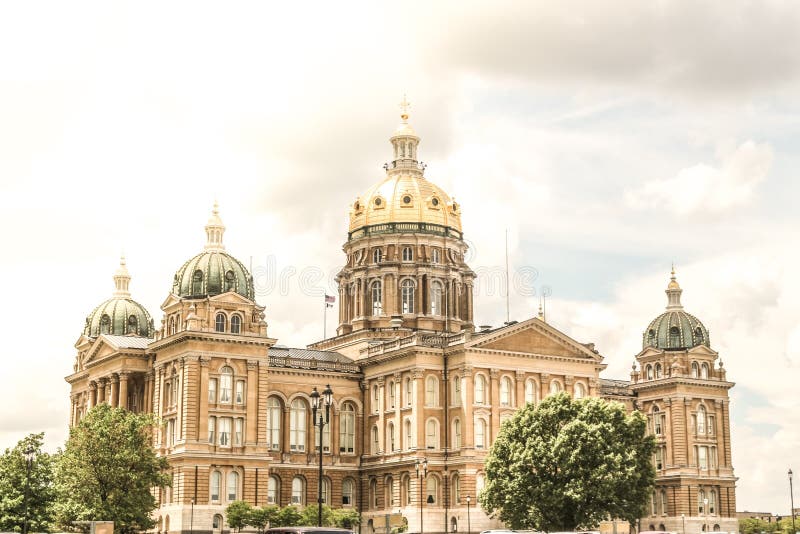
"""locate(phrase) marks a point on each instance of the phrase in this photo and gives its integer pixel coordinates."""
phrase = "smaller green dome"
(120, 315)
(213, 271)
(675, 329)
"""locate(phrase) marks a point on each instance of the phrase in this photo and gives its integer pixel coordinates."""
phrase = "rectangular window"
(239, 432)
(391, 394)
(702, 458)
(409, 392)
(326, 438)
(225, 389)
(240, 392)
(659, 421)
(659, 458)
(212, 435)
(711, 425)
(225, 431)
(212, 391)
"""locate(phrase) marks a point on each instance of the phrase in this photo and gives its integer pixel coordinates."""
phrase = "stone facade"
(418, 394)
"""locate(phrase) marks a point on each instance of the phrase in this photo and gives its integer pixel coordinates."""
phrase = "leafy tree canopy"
(108, 469)
(239, 514)
(569, 464)
(40, 491)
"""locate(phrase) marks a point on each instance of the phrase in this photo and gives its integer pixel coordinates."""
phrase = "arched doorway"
(216, 524)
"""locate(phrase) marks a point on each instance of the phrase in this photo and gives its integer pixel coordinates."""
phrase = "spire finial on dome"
(122, 278)
(673, 292)
(214, 231)
(404, 105)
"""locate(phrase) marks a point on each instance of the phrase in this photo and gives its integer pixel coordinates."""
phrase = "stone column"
(467, 425)
(417, 406)
(285, 438)
(519, 401)
(202, 412)
(124, 376)
(251, 410)
(101, 389)
(569, 385)
(544, 386)
(381, 419)
(92, 394)
(594, 387)
(115, 390)
(494, 378)
(398, 419)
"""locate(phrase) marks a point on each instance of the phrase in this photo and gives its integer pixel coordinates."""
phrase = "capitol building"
(420, 394)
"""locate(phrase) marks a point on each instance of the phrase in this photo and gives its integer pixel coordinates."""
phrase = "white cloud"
(704, 188)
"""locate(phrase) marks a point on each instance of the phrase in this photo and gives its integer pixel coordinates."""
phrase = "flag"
(329, 300)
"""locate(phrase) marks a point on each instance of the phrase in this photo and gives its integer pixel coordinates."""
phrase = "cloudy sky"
(610, 139)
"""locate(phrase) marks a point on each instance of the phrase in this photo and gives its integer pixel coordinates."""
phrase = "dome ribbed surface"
(213, 273)
(120, 317)
(675, 330)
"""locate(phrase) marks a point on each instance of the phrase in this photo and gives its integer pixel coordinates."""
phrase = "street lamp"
(29, 455)
(422, 473)
(791, 498)
(191, 519)
(683, 519)
(705, 509)
(317, 403)
(469, 527)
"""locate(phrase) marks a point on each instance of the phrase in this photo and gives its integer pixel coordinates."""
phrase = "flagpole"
(325, 317)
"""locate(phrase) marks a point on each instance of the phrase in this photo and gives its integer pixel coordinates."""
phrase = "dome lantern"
(405, 141)
(122, 278)
(673, 292)
(120, 315)
(214, 231)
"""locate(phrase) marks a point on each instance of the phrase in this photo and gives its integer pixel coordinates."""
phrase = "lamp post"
(191, 519)
(422, 473)
(29, 455)
(683, 519)
(469, 527)
(791, 500)
(318, 402)
(705, 510)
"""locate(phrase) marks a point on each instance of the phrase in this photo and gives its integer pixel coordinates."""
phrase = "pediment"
(703, 350)
(231, 297)
(649, 351)
(101, 349)
(534, 336)
(171, 300)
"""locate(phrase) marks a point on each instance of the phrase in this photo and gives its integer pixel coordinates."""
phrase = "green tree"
(288, 516)
(239, 514)
(108, 469)
(13, 481)
(310, 512)
(263, 517)
(346, 518)
(569, 464)
(752, 525)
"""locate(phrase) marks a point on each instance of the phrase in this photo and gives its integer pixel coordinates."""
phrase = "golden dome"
(405, 197)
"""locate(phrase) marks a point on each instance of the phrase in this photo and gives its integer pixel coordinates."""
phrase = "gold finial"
(404, 105)
(673, 269)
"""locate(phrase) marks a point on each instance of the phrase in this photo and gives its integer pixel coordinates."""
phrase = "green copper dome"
(120, 315)
(675, 329)
(213, 271)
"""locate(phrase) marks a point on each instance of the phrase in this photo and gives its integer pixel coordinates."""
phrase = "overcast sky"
(609, 138)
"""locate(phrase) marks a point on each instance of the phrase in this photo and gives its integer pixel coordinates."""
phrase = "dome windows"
(377, 300)
(377, 255)
(197, 282)
(133, 324)
(236, 324)
(408, 254)
(230, 281)
(407, 200)
(674, 337)
(378, 202)
(105, 324)
(434, 201)
(407, 290)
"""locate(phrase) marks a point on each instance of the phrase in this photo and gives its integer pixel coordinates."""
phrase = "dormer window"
(197, 283)
(674, 337)
(698, 335)
(133, 324)
(220, 322)
(651, 337)
(236, 324)
(230, 281)
(105, 324)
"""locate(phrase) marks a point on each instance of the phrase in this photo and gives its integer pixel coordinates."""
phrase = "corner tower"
(405, 252)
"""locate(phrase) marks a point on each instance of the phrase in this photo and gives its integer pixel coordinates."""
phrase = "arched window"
(216, 482)
(408, 254)
(409, 392)
(133, 324)
(392, 393)
(657, 429)
(651, 337)
(326, 491)
(712, 502)
(701, 495)
(431, 388)
(579, 390)
(663, 503)
(431, 490)
(480, 433)
(373, 493)
(230, 281)
(389, 492)
(649, 371)
(326, 438)
(298, 491)
(376, 445)
(225, 384)
(377, 298)
(674, 337)
(530, 391)
(480, 389)
(704, 370)
(409, 435)
(171, 328)
(233, 486)
(659, 373)
(407, 493)
(435, 255)
(480, 483)
(698, 336)
(505, 391)
(197, 283)
(236, 324)
(659, 458)
(348, 492)
(219, 322)
(390, 436)
(555, 387)
(457, 434)
(347, 428)
(432, 434)
(701, 420)
(436, 298)
(453, 524)
(105, 324)
(695, 370)
(377, 255)
(456, 488)
(376, 398)
(273, 490)
(407, 291)
(274, 413)
(297, 426)
(456, 400)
